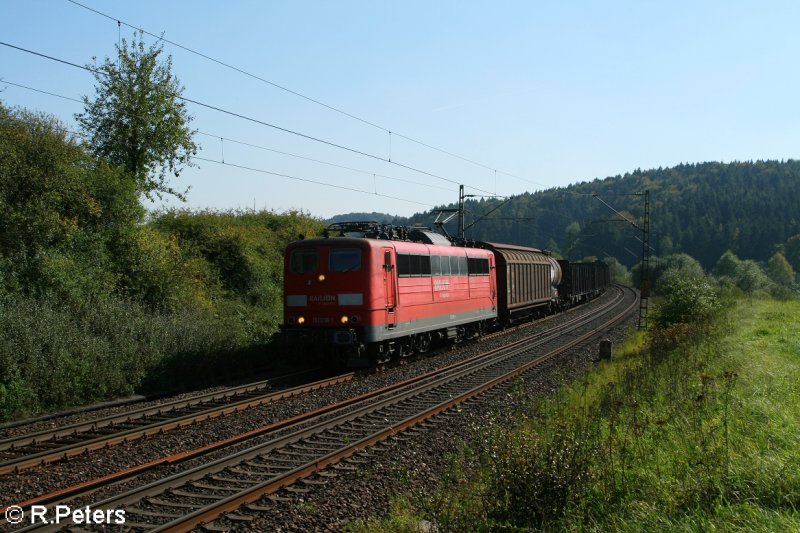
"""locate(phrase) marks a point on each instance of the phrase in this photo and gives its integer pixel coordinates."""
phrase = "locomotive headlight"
(321, 277)
(354, 319)
(344, 320)
(301, 320)
(290, 320)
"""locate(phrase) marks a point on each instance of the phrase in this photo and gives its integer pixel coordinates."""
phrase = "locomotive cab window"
(304, 261)
(344, 260)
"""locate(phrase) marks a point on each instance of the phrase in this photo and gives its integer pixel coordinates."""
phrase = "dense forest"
(699, 209)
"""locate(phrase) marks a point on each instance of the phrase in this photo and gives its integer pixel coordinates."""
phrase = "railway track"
(203, 493)
(42, 447)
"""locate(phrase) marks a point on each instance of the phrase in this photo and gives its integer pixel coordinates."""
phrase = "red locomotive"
(370, 299)
(377, 292)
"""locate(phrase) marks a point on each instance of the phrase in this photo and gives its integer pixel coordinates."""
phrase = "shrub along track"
(336, 432)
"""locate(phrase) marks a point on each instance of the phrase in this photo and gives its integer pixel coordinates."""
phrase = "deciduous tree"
(793, 251)
(137, 119)
(780, 271)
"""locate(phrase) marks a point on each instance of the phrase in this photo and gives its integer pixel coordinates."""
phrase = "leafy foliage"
(573, 235)
(687, 299)
(534, 476)
(683, 263)
(618, 272)
(137, 120)
(241, 254)
(793, 251)
(61, 210)
(746, 275)
(96, 303)
(52, 354)
(780, 271)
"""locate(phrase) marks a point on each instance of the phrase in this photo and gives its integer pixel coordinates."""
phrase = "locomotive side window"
(436, 265)
(403, 265)
(462, 265)
(424, 265)
(413, 265)
(344, 260)
(304, 261)
(441, 265)
(478, 266)
(458, 265)
(445, 264)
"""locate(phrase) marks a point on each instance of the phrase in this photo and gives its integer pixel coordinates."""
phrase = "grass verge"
(690, 429)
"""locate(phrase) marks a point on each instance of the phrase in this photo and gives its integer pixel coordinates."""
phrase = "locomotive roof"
(317, 241)
(373, 242)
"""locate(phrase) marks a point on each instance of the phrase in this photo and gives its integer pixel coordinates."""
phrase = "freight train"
(365, 292)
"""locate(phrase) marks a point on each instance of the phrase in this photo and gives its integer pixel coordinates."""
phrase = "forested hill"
(372, 217)
(699, 209)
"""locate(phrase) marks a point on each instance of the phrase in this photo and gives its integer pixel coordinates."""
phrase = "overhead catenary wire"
(252, 169)
(513, 220)
(2, 80)
(258, 121)
(222, 139)
(303, 96)
(321, 162)
(309, 180)
(263, 171)
(331, 143)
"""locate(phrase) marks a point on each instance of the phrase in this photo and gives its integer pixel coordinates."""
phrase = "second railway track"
(41, 447)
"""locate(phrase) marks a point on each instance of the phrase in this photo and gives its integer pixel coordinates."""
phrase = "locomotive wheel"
(403, 348)
(397, 351)
(423, 342)
(377, 357)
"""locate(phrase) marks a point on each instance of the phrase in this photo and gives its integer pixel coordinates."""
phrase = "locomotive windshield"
(344, 260)
(304, 261)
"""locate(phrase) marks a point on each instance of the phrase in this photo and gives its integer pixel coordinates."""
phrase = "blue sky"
(551, 93)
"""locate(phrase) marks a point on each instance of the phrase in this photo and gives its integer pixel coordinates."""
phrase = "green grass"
(690, 430)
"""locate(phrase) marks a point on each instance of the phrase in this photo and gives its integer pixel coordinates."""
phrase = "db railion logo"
(322, 299)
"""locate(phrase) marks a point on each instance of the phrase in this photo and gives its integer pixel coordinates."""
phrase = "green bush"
(659, 266)
(744, 274)
(53, 355)
(687, 299)
(96, 303)
(154, 269)
(243, 254)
